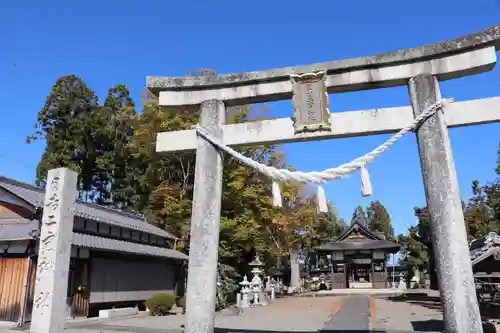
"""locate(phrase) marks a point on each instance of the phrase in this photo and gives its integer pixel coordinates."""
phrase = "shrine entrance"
(428, 116)
(359, 275)
(359, 257)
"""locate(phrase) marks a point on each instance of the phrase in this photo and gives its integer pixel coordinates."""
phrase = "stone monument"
(420, 69)
(49, 302)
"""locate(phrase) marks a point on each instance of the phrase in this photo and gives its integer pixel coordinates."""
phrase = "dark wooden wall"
(123, 278)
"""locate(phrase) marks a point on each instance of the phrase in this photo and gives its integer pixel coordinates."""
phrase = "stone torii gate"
(419, 68)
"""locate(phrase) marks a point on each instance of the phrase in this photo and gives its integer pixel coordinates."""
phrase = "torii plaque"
(310, 101)
(420, 69)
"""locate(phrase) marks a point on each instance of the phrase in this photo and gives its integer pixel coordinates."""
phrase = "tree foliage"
(86, 137)
(417, 244)
(112, 147)
(376, 218)
(359, 216)
(379, 219)
(66, 123)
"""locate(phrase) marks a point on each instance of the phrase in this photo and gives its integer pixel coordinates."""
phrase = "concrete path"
(359, 313)
(352, 292)
(355, 313)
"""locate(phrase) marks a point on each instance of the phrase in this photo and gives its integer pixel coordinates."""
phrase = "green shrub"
(160, 304)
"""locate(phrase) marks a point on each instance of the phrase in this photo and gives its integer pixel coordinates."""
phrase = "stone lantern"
(258, 295)
(245, 290)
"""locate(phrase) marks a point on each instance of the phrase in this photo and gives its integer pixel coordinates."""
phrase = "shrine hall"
(358, 257)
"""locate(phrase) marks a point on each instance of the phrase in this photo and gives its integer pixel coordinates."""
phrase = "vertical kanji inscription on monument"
(49, 302)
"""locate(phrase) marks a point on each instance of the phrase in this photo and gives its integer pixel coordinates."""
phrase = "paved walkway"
(356, 313)
(291, 314)
(366, 312)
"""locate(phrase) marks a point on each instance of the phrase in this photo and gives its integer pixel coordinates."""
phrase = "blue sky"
(109, 42)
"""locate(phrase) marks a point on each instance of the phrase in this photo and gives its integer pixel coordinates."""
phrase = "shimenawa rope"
(320, 177)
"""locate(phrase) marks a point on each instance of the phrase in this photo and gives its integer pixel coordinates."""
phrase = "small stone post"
(454, 269)
(204, 244)
(238, 300)
(51, 286)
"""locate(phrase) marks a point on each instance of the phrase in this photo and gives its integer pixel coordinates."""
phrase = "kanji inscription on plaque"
(310, 102)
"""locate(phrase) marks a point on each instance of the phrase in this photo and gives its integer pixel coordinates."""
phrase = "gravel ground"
(404, 316)
(288, 314)
(292, 314)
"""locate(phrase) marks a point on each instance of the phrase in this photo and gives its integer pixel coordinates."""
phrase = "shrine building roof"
(369, 244)
(484, 247)
(359, 237)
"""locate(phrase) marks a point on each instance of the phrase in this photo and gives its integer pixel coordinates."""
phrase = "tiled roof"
(355, 225)
(365, 244)
(108, 244)
(373, 241)
(483, 247)
(17, 229)
(35, 196)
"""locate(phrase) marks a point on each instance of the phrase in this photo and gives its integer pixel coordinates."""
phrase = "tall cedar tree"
(115, 163)
(379, 219)
(68, 124)
(359, 216)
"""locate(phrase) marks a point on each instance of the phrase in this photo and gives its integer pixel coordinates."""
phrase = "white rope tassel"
(277, 195)
(322, 206)
(366, 185)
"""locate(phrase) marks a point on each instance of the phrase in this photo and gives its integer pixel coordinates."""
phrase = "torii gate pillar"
(449, 237)
(205, 220)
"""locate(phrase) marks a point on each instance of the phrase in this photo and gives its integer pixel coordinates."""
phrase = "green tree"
(324, 227)
(492, 193)
(379, 219)
(163, 184)
(477, 213)
(114, 161)
(68, 124)
(417, 247)
(359, 216)
(160, 185)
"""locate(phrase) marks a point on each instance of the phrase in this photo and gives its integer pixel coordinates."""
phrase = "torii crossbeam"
(419, 68)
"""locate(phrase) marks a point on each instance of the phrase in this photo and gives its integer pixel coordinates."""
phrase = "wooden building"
(358, 258)
(117, 258)
(485, 258)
